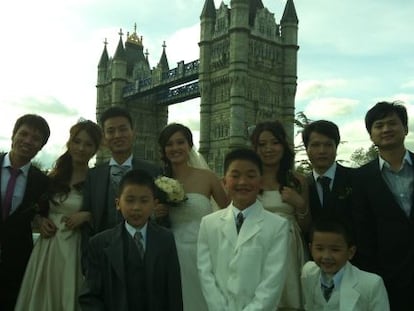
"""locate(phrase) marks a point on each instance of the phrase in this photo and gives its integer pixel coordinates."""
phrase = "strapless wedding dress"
(185, 224)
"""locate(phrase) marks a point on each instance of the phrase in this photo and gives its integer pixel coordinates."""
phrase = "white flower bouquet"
(172, 189)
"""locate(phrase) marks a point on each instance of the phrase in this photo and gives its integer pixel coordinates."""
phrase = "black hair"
(322, 127)
(138, 177)
(383, 109)
(165, 135)
(333, 222)
(243, 154)
(35, 121)
(288, 158)
(113, 112)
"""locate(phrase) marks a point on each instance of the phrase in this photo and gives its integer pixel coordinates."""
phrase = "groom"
(101, 182)
(21, 186)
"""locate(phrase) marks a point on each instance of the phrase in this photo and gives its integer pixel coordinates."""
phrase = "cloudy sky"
(352, 54)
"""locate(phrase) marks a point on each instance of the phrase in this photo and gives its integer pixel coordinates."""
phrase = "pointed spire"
(104, 57)
(163, 63)
(146, 56)
(120, 51)
(209, 9)
(254, 5)
(289, 15)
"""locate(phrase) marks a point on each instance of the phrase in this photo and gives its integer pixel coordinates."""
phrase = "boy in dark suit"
(133, 266)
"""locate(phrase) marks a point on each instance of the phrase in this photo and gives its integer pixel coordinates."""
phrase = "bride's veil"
(195, 159)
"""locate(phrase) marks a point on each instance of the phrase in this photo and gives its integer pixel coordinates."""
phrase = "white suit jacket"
(246, 271)
(359, 290)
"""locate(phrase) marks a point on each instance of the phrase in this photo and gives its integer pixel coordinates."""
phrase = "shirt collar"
(245, 212)
(329, 173)
(336, 278)
(131, 230)
(406, 159)
(25, 168)
(128, 162)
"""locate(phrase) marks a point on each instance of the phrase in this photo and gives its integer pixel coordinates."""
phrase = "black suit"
(16, 240)
(385, 235)
(105, 284)
(340, 197)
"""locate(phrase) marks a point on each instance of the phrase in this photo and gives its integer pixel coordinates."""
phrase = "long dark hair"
(284, 175)
(61, 173)
(165, 135)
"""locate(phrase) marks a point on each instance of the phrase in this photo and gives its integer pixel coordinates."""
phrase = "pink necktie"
(7, 202)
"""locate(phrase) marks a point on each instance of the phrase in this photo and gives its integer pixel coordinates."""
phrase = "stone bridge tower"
(247, 73)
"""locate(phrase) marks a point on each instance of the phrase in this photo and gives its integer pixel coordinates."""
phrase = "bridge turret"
(119, 72)
(239, 33)
(207, 22)
(102, 80)
(289, 32)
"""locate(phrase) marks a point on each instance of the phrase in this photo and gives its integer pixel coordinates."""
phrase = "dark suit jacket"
(385, 235)
(105, 284)
(16, 240)
(98, 193)
(340, 198)
(99, 198)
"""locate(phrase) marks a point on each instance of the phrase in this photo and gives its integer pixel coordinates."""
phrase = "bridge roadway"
(176, 85)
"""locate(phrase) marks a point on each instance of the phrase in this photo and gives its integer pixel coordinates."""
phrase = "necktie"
(8, 197)
(325, 181)
(138, 241)
(327, 291)
(239, 221)
(117, 172)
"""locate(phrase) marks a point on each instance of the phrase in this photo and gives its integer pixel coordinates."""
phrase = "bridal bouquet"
(173, 191)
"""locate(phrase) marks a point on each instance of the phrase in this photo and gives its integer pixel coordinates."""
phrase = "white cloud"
(408, 85)
(314, 88)
(330, 107)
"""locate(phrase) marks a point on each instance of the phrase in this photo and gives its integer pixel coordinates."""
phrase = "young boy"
(242, 249)
(331, 282)
(133, 266)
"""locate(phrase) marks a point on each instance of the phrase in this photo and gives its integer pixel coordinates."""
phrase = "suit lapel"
(229, 226)
(314, 199)
(151, 248)
(348, 295)
(102, 192)
(115, 252)
(384, 191)
(251, 225)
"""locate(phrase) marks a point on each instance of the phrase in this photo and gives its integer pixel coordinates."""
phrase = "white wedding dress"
(185, 224)
(292, 295)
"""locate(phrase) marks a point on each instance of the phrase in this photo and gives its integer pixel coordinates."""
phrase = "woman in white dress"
(200, 185)
(285, 193)
(53, 275)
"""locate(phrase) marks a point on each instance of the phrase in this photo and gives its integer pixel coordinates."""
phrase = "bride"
(181, 162)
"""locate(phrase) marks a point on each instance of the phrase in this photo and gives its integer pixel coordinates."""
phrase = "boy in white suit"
(331, 282)
(242, 249)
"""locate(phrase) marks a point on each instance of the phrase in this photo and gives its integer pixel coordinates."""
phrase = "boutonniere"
(344, 193)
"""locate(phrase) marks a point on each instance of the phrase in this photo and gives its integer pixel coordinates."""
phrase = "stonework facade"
(247, 73)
